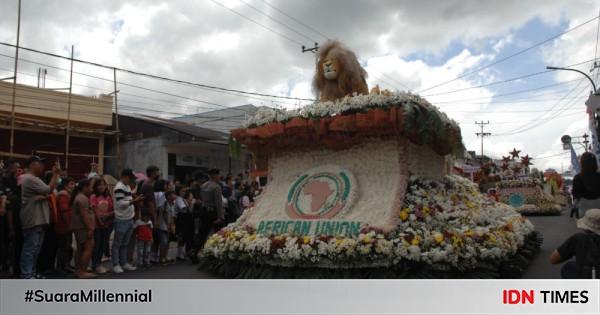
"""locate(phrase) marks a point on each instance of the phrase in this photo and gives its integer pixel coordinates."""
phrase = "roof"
(233, 111)
(183, 127)
(222, 119)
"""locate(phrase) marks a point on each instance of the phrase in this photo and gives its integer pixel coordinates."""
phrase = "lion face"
(331, 68)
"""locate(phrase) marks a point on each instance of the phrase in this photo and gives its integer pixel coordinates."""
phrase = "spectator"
(82, 225)
(137, 206)
(584, 246)
(147, 190)
(4, 261)
(246, 198)
(64, 234)
(102, 205)
(212, 214)
(13, 214)
(143, 232)
(586, 184)
(149, 201)
(160, 200)
(35, 213)
(165, 224)
(46, 264)
(184, 223)
(123, 223)
(255, 188)
(228, 187)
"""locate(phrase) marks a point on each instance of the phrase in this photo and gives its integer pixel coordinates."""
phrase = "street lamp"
(578, 71)
(593, 102)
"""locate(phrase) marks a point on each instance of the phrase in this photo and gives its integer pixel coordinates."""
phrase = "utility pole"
(117, 129)
(482, 134)
(312, 49)
(14, 91)
(68, 130)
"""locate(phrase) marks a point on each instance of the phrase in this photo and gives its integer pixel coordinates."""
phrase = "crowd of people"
(52, 225)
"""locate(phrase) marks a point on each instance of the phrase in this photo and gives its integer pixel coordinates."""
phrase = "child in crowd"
(143, 232)
(82, 224)
(165, 225)
(102, 205)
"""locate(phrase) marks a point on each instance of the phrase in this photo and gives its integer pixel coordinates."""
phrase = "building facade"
(40, 127)
(179, 149)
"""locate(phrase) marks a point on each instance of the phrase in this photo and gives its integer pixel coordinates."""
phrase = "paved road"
(555, 229)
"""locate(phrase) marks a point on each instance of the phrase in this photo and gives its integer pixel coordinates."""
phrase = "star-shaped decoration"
(516, 168)
(515, 153)
(504, 166)
(526, 160)
(505, 159)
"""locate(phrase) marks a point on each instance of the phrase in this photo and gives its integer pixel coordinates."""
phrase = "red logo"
(518, 297)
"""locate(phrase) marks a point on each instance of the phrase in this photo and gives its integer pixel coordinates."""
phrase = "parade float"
(360, 187)
(525, 190)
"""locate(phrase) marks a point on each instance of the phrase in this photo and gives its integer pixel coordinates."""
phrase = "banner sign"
(324, 297)
(319, 192)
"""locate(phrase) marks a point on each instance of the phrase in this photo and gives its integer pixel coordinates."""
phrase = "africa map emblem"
(321, 193)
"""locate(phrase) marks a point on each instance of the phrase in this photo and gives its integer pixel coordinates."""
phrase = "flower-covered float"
(359, 187)
(524, 190)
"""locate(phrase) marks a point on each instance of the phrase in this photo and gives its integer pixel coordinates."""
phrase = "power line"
(553, 155)
(541, 119)
(258, 23)
(520, 52)
(543, 87)
(148, 75)
(111, 81)
(276, 21)
(218, 106)
(520, 77)
(296, 20)
(516, 101)
(528, 121)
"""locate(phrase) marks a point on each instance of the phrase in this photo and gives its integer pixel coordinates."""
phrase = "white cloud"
(202, 42)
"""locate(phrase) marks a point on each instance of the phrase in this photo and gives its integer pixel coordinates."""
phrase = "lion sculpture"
(338, 73)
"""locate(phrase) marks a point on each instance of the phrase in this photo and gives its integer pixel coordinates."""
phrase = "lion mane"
(351, 77)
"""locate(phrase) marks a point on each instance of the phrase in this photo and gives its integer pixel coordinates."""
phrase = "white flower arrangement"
(442, 222)
(333, 108)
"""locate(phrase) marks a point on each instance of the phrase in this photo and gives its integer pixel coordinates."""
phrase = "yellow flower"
(338, 241)
(404, 215)
(415, 241)
(367, 239)
(252, 237)
(439, 237)
(457, 241)
(426, 210)
(469, 233)
(306, 239)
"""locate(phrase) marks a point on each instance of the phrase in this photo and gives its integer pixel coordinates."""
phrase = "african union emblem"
(321, 193)
(516, 200)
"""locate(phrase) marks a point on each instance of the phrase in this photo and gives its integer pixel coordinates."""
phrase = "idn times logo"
(515, 296)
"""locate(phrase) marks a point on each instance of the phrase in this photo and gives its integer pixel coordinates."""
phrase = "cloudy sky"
(404, 45)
